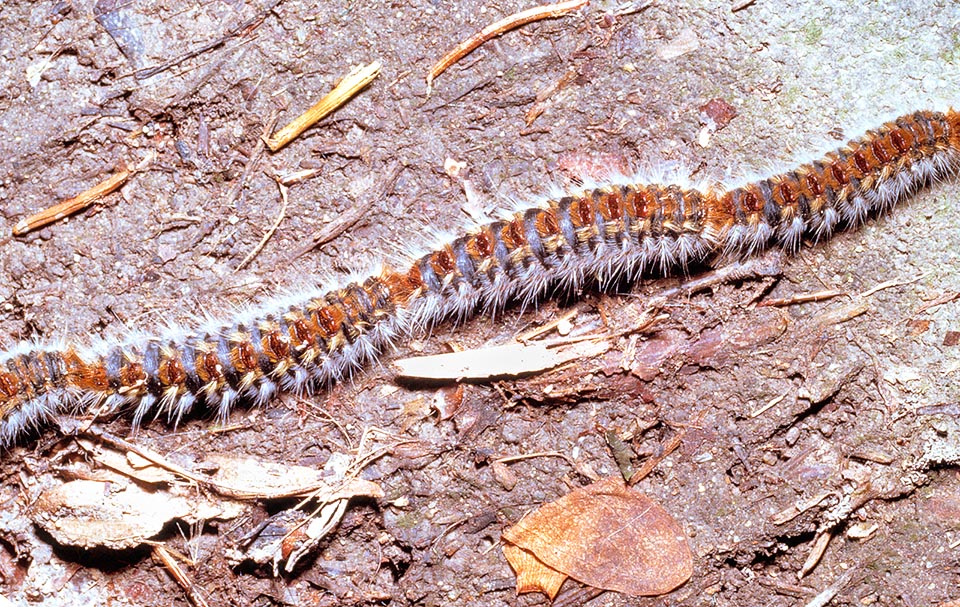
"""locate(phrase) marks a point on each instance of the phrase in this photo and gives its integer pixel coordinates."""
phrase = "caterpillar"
(600, 235)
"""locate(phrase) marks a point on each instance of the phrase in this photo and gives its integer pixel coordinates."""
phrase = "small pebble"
(514, 431)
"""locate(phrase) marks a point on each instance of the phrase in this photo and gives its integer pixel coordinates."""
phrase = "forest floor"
(777, 431)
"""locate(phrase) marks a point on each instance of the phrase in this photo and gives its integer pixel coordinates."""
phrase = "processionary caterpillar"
(604, 234)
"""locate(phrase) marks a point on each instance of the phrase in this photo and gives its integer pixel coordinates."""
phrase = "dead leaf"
(120, 515)
(286, 537)
(106, 509)
(604, 535)
(532, 575)
(447, 401)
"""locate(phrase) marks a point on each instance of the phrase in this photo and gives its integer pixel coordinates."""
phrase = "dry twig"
(164, 556)
(347, 219)
(831, 591)
(820, 543)
(580, 469)
(78, 202)
(351, 84)
(649, 465)
(252, 161)
(801, 298)
(549, 11)
(237, 493)
(71, 205)
(273, 228)
(238, 31)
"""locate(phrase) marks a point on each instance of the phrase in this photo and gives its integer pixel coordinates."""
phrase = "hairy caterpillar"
(600, 234)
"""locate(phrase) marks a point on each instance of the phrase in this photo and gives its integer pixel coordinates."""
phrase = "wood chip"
(351, 84)
(80, 201)
(513, 360)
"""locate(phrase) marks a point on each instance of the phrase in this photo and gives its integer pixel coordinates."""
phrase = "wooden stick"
(276, 224)
(352, 215)
(801, 298)
(71, 205)
(80, 201)
(345, 89)
(163, 555)
(548, 11)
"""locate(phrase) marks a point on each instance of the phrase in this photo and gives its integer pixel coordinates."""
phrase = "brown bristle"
(724, 206)
(274, 347)
(937, 126)
(648, 202)
(414, 278)
(89, 377)
(693, 205)
(329, 319)
(861, 163)
(953, 123)
(442, 262)
(714, 210)
(8, 406)
(351, 307)
(838, 173)
(812, 182)
(243, 357)
(512, 234)
(751, 200)
(132, 374)
(880, 151)
(783, 194)
(9, 386)
(208, 367)
(898, 137)
(379, 296)
(300, 334)
(581, 212)
(918, 135)
(171, 372)
(546, 223)
(671, 198)
(632, 202)
(608, 204)
(480, 245)
(401, 287)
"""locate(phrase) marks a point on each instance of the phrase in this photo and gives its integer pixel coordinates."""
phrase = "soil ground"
(776, 405)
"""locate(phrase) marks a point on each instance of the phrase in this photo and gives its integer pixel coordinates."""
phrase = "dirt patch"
(777, 406)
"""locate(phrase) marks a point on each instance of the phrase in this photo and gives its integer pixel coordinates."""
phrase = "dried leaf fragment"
(117, 515)
(604, 535)
(532, 575)
(286, 537)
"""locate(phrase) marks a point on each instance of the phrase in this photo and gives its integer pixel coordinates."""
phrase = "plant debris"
(584, 532)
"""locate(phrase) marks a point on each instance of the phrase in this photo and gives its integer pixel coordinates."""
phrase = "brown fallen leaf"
(604, 535)
(532, 575)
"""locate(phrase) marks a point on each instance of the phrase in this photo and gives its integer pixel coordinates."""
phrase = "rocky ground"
(838, 415)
